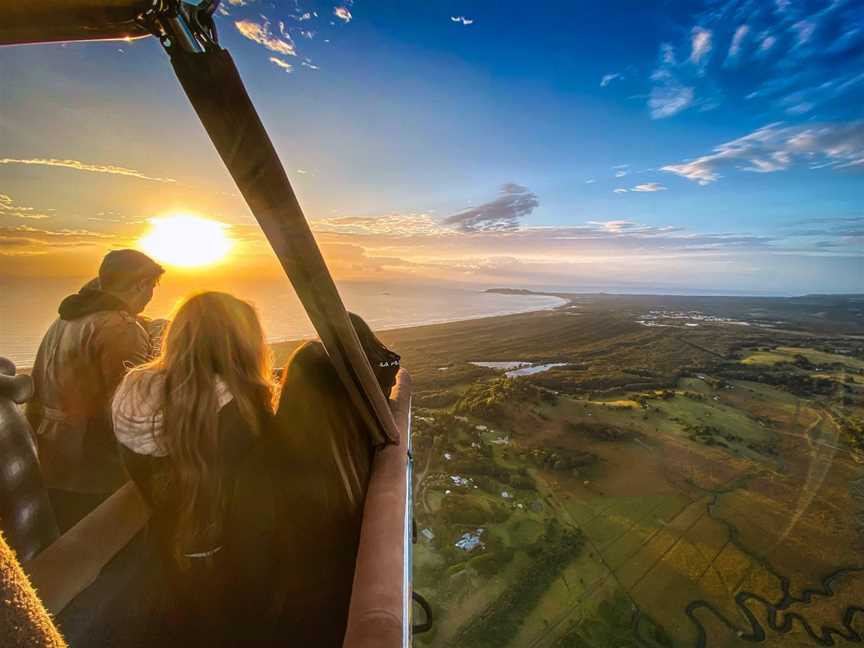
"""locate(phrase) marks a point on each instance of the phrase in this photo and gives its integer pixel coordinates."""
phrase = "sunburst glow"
(186, 241)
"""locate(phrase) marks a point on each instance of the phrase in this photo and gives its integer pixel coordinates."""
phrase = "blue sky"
(715, 145)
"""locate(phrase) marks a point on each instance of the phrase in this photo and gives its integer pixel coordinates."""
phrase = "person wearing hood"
(84, 355)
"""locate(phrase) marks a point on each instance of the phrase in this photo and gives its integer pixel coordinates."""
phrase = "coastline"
(441, 321)
(283, 345)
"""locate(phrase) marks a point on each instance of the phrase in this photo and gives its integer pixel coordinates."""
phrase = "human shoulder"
(137, 412)
(118, 319)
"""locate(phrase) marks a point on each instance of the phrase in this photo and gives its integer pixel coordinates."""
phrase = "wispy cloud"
(9, 207)
(776, 147)
(502, 214)
(343, 14)
(492, 242)
(463, 20)
(668, 97)
(648, 187)
(24, 240)
(285, 65)
(395, 225)
(609, 78)
(737, 42)
(77, 165)
(802, 48)
(420, 238)
(700, 45)
(260, 33)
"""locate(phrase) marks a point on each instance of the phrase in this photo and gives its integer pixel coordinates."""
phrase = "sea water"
(28, 306)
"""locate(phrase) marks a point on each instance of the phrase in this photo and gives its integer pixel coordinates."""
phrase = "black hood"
(89, 300)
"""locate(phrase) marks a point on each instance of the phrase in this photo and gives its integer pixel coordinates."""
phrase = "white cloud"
(804, 31)
(260, 33)
(343, 14)
(667, 54)
(609, 78)
(767, 43)
(285, 65)
(737, 43)
(776, 147)
(590, 181)
(463, 20)
(649, 186)
(621, 173)
(787, 51)
(642, 188)
(700, 43)
(86, 167)
(669, 99)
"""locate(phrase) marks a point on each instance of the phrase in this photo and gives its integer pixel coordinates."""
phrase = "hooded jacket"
(80, 362)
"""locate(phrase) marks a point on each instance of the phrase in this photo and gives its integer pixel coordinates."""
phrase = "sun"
(186, 241)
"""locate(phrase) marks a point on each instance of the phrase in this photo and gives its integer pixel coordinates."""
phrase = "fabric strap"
(214, 88)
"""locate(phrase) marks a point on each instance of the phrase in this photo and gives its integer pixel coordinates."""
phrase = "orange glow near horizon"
(187, 241)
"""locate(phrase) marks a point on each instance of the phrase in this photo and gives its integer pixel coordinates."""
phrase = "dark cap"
(121, 269)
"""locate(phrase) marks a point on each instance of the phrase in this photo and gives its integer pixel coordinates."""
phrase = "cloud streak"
(776, 147)
(499, 215)
(343, 14)
(700, 45)
(810, 49)
(24, 240)
(285, 65)
(648, 187)
(609, 78)
(86, 167)
(8, 207)
(260, 33)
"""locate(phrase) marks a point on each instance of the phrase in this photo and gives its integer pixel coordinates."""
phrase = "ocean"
(28, 306)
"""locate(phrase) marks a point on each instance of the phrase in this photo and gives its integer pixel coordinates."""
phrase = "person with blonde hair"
(185, 422)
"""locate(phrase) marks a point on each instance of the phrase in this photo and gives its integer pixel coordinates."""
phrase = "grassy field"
(668, 486)
(813, 356)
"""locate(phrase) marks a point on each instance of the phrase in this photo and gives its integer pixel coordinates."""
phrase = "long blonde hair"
(212, 334)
